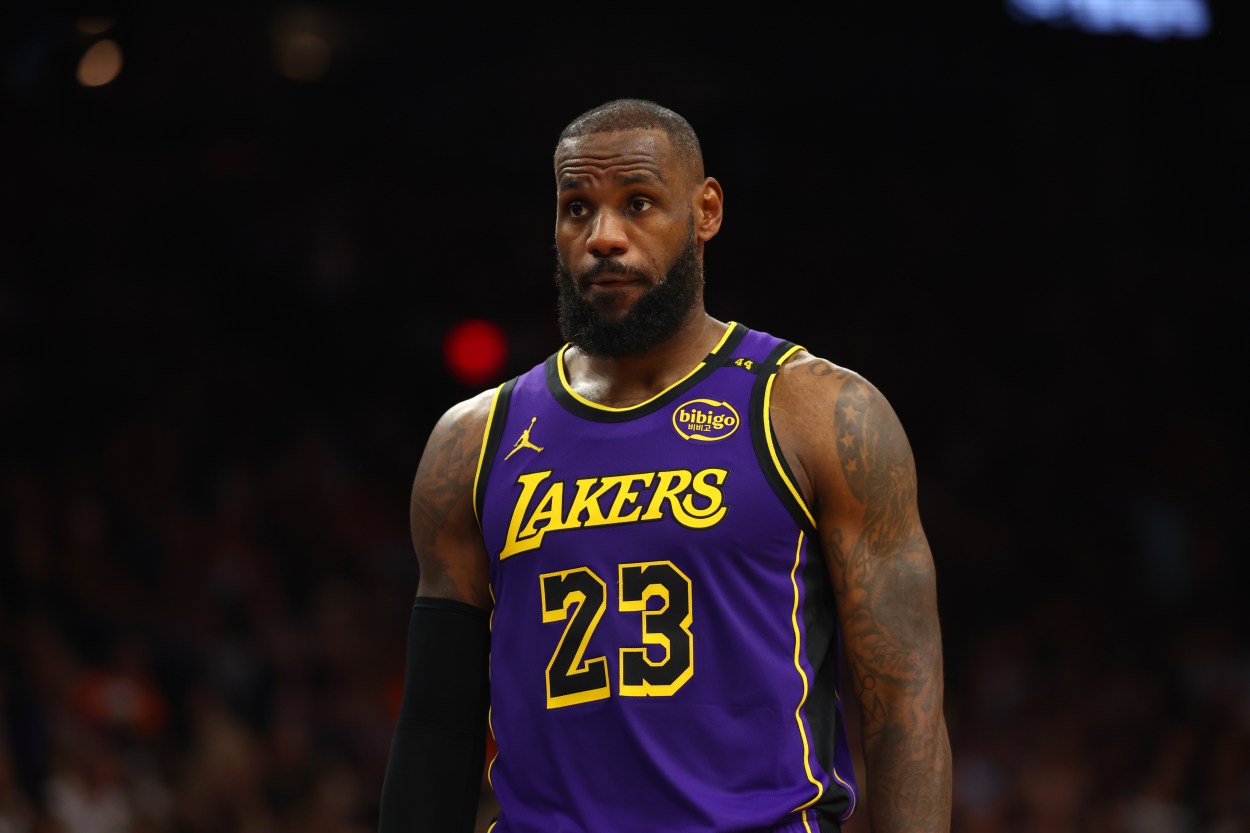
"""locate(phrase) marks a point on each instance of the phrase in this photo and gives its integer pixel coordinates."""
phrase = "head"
(633, 212)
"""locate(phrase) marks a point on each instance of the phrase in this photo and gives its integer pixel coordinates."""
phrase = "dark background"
(223, 296)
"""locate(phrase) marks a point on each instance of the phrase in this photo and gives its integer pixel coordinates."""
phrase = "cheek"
(569, 239)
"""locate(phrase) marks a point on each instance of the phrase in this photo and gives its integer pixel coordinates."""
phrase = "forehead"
(617, 155)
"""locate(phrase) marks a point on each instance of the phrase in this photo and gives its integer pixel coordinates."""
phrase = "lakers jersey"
(664, 650)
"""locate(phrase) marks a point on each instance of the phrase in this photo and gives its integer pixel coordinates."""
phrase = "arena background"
(228, 270)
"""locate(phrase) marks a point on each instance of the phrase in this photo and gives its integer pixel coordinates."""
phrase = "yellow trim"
(490, 768)
(806, 826)
(490, 709)
(850, 791)
(481, 454)
(798, 716)
(768, 436)
(564, 379)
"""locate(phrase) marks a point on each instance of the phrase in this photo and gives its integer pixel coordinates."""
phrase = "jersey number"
(580, 597)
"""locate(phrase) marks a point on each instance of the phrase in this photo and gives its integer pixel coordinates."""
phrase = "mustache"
(615, 266)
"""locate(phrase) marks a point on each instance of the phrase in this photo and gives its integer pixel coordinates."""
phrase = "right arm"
(450, 552)
(433, 776)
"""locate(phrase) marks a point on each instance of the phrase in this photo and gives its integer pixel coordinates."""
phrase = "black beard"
(653, 318)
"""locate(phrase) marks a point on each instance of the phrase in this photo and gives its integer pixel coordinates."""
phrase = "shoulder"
(456, 438)
(469, 413)
(465, 418)
(443, 524)
(812, 387)
(836, 423)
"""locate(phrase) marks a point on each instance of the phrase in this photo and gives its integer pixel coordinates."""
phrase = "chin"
(612, 304)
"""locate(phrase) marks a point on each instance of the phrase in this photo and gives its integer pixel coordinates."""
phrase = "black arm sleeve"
(433, 777)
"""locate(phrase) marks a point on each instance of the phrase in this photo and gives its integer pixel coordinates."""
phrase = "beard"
(653, 318)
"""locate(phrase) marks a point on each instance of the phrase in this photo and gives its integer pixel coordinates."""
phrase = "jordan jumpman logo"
(524, 442)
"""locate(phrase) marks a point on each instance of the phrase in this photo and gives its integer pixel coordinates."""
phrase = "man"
(664, 542)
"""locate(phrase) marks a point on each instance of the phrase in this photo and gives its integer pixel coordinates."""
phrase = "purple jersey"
(664, 648)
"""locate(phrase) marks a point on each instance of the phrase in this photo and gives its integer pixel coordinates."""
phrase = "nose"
(607, 236)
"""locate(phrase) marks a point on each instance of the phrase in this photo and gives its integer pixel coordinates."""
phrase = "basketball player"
(665, 542)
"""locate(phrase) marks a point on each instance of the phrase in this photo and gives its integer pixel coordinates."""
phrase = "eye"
(639, 204)
(577, 209)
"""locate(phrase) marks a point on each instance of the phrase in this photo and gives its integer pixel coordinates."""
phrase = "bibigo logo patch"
(703, 419)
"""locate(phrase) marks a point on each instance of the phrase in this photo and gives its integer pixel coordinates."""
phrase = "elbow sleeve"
(433, 776)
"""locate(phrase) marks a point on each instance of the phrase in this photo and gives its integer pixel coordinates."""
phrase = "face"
(628, 247)
(658, 312)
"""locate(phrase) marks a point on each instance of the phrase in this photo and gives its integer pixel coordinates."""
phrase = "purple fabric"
(702, 734)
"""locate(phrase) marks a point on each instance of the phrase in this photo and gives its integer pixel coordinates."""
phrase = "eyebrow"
(641, 177)
(570, 181)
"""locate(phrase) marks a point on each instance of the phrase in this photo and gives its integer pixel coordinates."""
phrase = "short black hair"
(639, 114)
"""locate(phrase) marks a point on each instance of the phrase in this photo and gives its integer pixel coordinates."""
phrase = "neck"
(623, 381)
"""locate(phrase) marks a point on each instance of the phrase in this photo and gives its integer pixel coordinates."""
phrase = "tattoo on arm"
(885, 577)
(443, 484)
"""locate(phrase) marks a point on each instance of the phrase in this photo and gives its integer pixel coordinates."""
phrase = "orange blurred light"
(304, 56)
(100, 64)
(305, 41)
(475, 351)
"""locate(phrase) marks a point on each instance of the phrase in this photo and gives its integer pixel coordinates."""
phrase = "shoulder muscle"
(448, 544)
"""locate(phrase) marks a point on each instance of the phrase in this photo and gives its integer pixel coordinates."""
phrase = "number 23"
(580, 597)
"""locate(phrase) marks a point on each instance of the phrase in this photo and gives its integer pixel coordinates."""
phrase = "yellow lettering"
(671, 482)
(588, 502)
(626, 496)
(697, 518)
(513, 544)
(548, 510)
(676, 492)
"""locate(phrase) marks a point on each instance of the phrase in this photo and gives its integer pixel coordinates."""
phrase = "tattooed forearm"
(911, 790)
(896, 675)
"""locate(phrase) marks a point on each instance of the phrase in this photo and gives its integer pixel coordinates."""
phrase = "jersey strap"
(767, 450)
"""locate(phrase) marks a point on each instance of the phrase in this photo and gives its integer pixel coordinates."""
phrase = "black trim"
(822, 648)
(826, 823)
(758, 440)
(567, 401)
(497, 418)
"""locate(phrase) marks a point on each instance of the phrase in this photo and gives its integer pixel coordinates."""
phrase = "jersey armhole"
(767, 451)
(490, 445)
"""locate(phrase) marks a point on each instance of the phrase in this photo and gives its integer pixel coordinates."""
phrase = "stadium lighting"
(100, 64)
(1150, 19)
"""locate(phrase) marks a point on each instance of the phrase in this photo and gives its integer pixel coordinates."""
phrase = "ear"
(709, 208)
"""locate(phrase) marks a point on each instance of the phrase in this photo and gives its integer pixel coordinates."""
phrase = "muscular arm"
(450, 553)
(433, 776)
(856, 466)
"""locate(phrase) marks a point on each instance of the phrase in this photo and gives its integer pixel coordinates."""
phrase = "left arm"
(857, 468)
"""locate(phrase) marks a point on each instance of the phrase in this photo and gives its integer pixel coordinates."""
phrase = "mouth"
(609, 280)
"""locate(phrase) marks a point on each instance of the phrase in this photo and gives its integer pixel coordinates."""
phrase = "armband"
(433, 780)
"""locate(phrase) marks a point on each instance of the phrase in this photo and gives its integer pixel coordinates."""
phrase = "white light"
(1040, 9)
(1153, 19)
